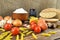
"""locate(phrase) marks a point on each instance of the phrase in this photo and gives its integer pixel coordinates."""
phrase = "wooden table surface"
(52, 37)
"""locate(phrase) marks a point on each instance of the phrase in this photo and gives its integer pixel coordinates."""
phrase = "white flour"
(20, 10)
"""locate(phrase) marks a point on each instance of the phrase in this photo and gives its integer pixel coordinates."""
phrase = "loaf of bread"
(51, 20)
(48, 13)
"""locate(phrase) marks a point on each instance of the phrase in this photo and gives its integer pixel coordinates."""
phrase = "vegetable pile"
(38, 26)
(17, 27)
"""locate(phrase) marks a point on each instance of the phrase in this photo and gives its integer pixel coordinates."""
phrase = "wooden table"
(52, 37)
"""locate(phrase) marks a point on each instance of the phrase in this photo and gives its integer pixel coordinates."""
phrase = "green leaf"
(8, 37)
(4, 34)
(17, 38)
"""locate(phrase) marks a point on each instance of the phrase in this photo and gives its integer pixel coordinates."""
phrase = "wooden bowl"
(21, 16)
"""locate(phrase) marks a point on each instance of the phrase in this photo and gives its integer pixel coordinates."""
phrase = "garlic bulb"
(52, 25)
(28, 26)
(2, 23)
(10, 21)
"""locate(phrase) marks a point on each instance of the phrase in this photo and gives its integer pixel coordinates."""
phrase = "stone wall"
(8, 6)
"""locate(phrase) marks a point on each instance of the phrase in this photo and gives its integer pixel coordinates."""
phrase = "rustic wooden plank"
(7, 6)
(58, 4)
(51, 3)
(52, 37)
(40, 4)
(0, 8)
(58, 7)
(36, 4)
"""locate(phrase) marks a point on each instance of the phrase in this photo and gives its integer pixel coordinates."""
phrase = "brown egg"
(1, 18)
(7, 18)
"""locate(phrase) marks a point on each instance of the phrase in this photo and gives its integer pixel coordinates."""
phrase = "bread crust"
(49, 12)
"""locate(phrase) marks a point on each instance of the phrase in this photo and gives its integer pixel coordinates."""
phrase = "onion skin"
(1, 18)
(17, 22)
(7, 18)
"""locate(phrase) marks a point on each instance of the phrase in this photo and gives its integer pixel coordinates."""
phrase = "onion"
(1, 18)
(25, 25)
(7, 18)
(17, 22)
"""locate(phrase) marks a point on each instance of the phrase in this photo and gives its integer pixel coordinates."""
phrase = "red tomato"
(8, 26)
(37, 29)
(33, 26)
(43, 27)
(42, 24)
(32, 22)
(15, 31)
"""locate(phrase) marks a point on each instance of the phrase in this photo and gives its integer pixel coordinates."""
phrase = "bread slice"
(51, 20)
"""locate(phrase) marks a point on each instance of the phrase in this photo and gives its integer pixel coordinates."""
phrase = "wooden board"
(52, 37)
(8, 6)
(58, 4)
